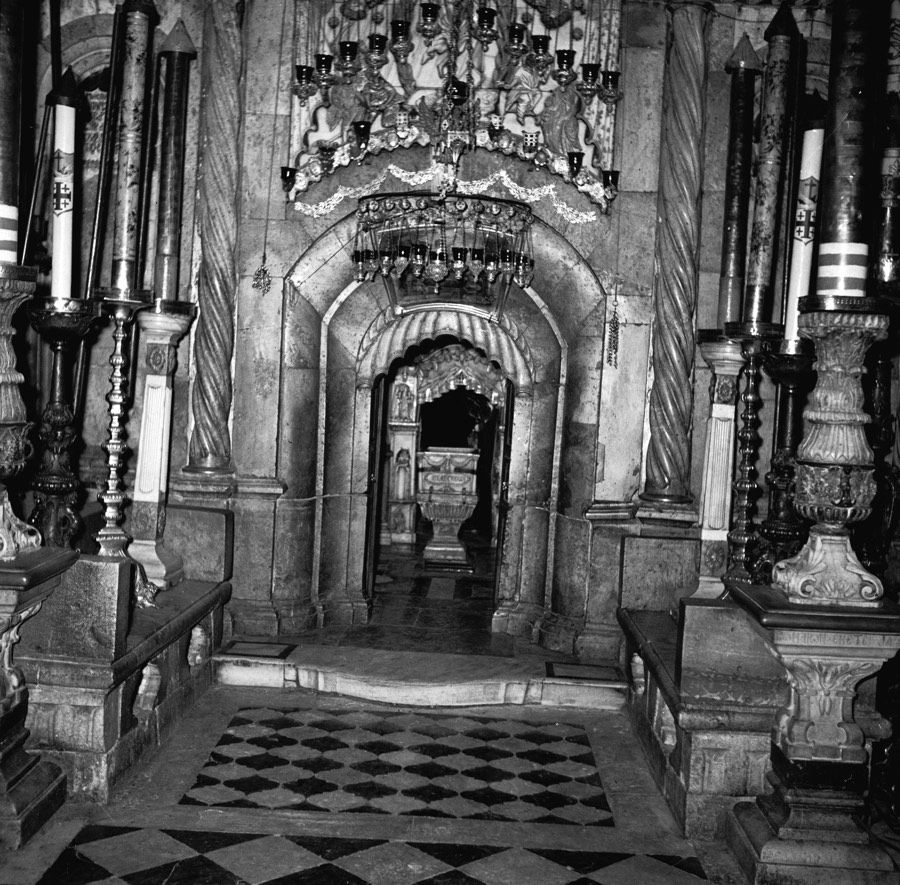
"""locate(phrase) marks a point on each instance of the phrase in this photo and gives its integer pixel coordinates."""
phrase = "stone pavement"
(265, 786)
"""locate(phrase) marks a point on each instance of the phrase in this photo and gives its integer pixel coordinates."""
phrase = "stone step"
(420, 678)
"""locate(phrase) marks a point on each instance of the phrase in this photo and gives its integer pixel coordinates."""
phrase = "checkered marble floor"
(112, 855)
(526, 805)
(404, 763)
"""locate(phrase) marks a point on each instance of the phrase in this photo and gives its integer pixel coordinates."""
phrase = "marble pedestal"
(808, 830)
(447, 496)
(31, 788)
(162, 327)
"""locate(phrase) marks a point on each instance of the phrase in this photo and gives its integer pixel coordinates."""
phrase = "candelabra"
(783, 532)
(62, 323)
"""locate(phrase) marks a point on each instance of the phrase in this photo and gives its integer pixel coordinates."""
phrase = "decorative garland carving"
(677, 244)
(210, 446)
(434, 174)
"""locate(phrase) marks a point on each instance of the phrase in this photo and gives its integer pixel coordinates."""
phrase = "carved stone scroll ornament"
(677, 243)
(835, 466)
(13, 689)
(222, 73)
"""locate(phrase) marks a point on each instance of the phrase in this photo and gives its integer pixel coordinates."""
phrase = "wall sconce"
(540, 46)
(565, 60)
(288, 177)
(401, 45)
(306, 86)
(576, 161)
(516, 40)
(428, 24)
(611, 183)
(347, 51)
(589, 75)
(608, 90)
(362, 129)
(378, 50)
(486, 32)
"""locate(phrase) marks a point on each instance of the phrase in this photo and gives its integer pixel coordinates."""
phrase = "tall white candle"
(62, 200)
(804, 229)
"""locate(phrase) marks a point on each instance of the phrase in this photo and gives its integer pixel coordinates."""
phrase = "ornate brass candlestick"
(62, 323)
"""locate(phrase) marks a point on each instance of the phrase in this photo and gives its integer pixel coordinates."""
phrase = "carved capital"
(818, 721)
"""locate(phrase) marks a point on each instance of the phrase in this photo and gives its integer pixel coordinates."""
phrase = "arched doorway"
(439, 457)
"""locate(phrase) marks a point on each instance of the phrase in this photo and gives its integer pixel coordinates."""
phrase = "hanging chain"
(612, 341)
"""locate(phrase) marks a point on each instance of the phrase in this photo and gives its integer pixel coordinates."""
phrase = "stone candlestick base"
(31, 789)
(835, 481)
(808, 830)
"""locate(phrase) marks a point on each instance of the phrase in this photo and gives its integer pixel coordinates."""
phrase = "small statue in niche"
(403, 404)
(402, 483)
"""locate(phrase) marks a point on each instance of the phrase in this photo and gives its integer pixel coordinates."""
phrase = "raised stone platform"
(702, 699)
(423, 678)
(94, 712)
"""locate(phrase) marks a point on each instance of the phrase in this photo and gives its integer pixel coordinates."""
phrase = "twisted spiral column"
(677, 245)
(222, 71)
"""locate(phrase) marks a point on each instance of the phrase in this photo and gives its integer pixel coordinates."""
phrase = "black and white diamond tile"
(135, 856)
(404, 763)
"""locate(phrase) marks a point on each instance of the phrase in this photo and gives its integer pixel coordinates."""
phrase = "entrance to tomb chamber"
(439, 456)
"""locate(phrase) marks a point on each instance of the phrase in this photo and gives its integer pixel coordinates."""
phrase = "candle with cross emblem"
(64, 99)
(802, 246)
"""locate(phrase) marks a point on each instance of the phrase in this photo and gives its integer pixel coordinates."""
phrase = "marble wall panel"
(644, 25)
(257, 381)
(657, 571)
(576, 481)
(571, 568)
(532, 566)
(261, 192)
(252, 583)
(298, 439)
(335, 516)
(641, 111)
(292, 568)
(637, 238)
(622, 415)
(268, 54)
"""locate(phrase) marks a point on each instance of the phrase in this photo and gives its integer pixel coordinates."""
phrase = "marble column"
(161, 330)
(726, 360)
(677, 243)
(221, 84)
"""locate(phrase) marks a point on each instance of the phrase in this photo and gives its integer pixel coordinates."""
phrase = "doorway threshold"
(529, 676)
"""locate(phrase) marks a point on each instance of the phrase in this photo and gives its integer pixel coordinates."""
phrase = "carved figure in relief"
(403, 403)
(559, 120)
(523, 90)
(402, 478)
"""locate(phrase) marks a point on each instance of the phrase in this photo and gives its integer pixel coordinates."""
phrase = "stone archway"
(353, 355)
(338, 335)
